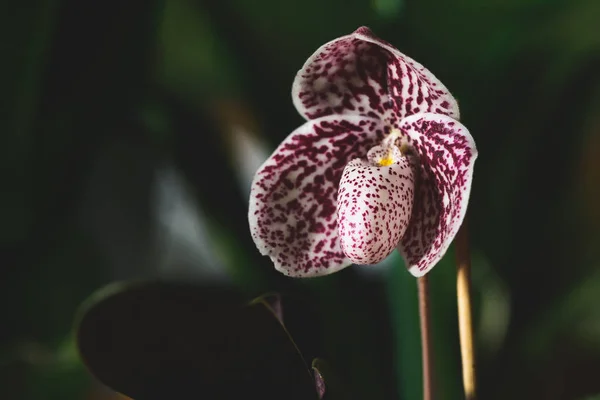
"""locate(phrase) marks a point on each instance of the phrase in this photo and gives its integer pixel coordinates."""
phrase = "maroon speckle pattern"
(361, 74)
(293, 200)
(374, 207)
(354, 91)
(446, 155)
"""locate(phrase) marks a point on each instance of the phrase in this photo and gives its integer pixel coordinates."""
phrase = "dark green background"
(101, 101)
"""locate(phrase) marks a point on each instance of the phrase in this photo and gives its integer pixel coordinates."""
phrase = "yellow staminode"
(387, 160)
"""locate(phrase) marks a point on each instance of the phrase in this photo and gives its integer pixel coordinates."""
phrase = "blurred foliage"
(103, 102)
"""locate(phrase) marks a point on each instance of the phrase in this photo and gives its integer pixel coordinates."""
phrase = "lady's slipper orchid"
(382, 163)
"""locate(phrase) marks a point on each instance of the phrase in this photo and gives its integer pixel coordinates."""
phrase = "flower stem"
(465, 323)
(426, 342)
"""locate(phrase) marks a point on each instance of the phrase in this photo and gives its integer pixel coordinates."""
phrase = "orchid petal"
(360, 74)
(293, 199)
(374, 205)
(446, 156)
(413, 87)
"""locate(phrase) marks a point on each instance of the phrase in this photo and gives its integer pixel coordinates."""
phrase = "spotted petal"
(374, 205)
(293, 199)
(446, 154)
(360, 74)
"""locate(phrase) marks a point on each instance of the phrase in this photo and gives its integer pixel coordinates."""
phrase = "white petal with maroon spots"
(446, 155)
(413, 87)
(374, 205)
(293, 199)
(361, 74)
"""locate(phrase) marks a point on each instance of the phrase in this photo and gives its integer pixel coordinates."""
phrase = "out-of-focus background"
(131, 131)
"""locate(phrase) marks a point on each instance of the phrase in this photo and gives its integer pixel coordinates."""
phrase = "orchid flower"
(382, 163)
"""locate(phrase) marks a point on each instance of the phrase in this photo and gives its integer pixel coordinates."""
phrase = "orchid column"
(382, 163)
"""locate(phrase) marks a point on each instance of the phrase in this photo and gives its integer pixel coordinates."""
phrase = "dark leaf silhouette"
(163, 340)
